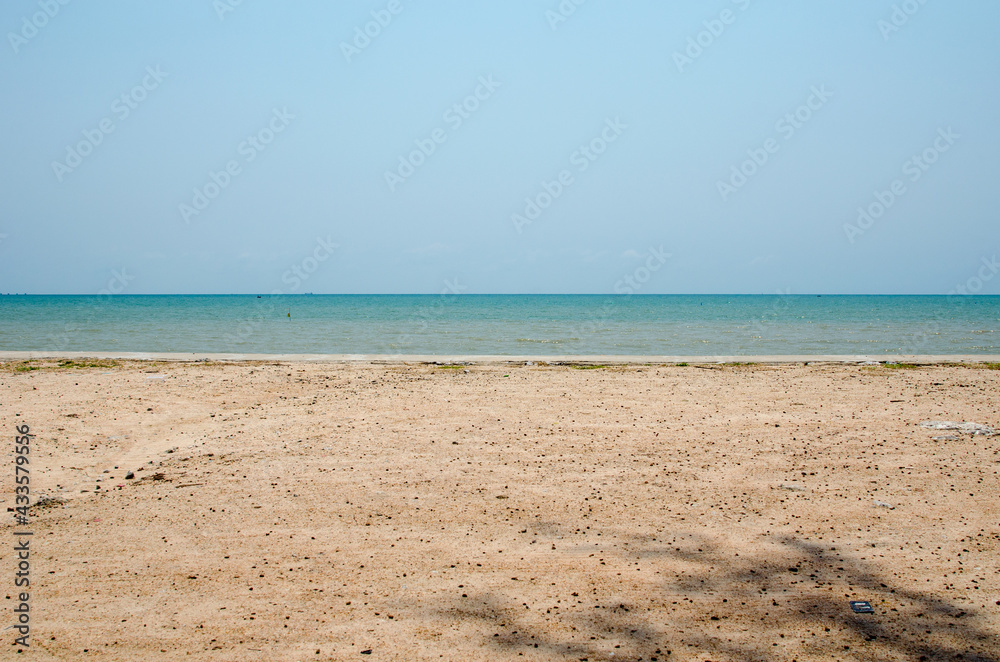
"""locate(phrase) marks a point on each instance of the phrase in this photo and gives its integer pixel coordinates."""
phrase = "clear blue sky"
(671, 120)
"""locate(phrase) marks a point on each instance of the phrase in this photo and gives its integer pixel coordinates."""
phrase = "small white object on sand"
(968, 428)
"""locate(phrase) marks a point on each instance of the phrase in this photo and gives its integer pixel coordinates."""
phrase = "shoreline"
(500, 359)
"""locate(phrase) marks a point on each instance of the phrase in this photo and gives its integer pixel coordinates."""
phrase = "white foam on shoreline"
(479, 359)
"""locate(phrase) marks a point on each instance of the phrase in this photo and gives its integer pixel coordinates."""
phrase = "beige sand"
(318, 511)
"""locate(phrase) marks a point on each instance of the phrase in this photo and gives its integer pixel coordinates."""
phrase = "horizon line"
(506, 294)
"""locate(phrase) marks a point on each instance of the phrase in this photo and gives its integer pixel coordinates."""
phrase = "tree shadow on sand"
(790, 602)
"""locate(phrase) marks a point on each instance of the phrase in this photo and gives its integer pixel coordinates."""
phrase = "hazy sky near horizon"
(535, 146)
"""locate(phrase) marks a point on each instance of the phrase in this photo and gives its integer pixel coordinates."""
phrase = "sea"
(536, 325)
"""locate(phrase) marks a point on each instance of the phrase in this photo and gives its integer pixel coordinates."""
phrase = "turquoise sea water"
(504, 324)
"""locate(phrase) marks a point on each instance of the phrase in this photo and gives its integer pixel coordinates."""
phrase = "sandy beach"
(284, 510)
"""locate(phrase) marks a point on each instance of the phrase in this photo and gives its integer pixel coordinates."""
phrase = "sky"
(524, 146)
